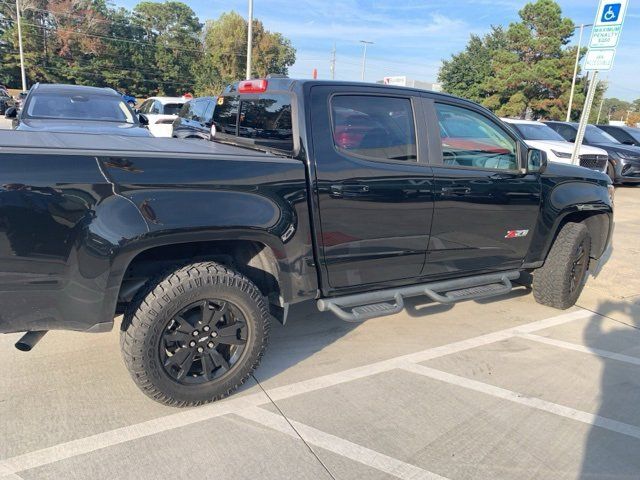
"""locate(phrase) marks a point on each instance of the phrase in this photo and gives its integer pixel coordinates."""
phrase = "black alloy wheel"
(203, 342)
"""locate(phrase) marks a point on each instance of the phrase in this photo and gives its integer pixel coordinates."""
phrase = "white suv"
(540, 136)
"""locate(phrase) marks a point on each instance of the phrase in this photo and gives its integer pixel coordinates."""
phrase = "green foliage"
(225, 57)
(155, 49)
(466, 73)
(525, 70)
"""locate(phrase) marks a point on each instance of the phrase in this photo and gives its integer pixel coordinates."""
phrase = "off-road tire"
(552, 282)
(160, 300)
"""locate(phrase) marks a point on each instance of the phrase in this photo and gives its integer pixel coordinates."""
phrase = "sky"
(411, 37)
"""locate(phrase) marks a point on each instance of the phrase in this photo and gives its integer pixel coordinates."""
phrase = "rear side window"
(375, 127)
(267, 121)
(225, 116)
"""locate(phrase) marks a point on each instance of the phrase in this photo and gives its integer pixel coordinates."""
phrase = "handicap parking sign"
(610, 12)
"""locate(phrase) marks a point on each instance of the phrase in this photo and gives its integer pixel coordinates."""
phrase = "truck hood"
(566, 147)
(574, 172)
(82, 126)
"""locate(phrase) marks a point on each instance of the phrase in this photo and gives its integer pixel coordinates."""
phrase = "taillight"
(253, 86)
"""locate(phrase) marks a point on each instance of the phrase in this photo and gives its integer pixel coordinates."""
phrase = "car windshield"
(595, 135)
(70, 106)
(172, 108)
(531, 131)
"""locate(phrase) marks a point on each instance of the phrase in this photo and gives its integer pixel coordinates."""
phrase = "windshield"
(595, 135)
(70, 106)
(531, 131)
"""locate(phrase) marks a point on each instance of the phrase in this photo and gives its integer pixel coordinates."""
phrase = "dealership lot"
(501, 388)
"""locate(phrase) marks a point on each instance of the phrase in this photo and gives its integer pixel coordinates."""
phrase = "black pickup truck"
(354, 195)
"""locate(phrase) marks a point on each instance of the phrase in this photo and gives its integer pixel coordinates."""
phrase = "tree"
(466, 73)
(525, 70)
(533, 74)
(225, 44)
(633, 119)
(173, 29)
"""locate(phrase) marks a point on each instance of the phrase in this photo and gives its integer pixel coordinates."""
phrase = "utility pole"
(600, 109)
(575, 69)
(249, 39)
(24, 76)
(333, 62)
(364, 56)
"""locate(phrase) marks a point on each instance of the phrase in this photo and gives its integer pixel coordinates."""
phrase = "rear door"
(374, 187)
(485, 206)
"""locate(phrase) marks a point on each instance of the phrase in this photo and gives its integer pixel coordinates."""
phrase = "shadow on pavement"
(608, 454)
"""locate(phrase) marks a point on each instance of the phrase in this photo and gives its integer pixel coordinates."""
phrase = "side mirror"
(143, 119)
(536, 160)
(11, 112)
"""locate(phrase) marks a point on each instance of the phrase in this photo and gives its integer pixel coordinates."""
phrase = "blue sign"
(610, 12)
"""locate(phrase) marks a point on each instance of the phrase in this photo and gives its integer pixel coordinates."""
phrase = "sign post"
(605, 36)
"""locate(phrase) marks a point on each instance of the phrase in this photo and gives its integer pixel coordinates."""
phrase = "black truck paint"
(87, 219)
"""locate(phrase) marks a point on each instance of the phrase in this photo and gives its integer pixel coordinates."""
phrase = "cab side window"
(375, 127)
(471, 140)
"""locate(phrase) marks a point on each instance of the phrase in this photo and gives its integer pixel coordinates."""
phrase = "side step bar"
(363, 306)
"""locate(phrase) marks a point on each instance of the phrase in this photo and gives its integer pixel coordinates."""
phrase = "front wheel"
(559, 282)
(611, 171)
(195, 335)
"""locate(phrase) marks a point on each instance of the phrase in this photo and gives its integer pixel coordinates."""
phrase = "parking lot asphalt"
(497, 389)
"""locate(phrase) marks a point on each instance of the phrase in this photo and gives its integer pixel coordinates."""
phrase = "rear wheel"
(195, 335)
(559, 282)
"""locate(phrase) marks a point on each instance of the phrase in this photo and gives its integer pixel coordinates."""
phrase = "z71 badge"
(516, 233)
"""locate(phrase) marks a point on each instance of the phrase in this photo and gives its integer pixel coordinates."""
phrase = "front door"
(485, 206)
(373, 191)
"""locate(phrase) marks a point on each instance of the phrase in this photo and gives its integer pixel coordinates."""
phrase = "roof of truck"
(82, 143)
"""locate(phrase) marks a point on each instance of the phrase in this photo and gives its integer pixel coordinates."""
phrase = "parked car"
(161, 112)
(625, 135)
(76, 108)
(539, 135)
(195, 119)
(624, 160)
(353, 195)
(130, 99)
(6, 101)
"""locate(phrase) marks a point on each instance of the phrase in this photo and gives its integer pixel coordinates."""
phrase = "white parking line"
(537, 403)
(345, 448)
(110, 438)
(581, 348)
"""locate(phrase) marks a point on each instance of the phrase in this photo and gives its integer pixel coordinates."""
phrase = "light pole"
(249, 39)
(575, 68)
(364, 56)
(24, 76)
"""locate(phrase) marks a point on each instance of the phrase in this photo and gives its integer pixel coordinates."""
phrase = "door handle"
(349, 189)
(456, 190)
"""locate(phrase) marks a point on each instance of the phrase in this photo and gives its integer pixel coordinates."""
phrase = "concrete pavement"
(500, 388)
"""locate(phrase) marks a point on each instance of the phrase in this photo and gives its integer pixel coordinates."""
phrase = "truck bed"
(104, 145)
